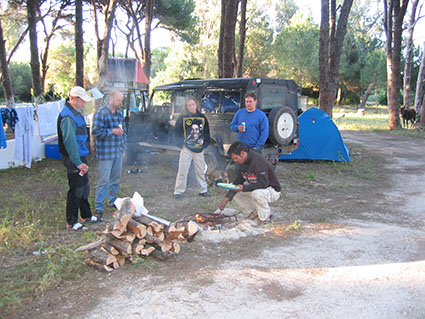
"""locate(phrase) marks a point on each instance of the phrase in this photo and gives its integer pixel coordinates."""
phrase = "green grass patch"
(39, 274)
(375, 119)
(33, 240)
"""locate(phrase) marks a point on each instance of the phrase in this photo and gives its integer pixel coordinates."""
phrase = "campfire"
(212, 221)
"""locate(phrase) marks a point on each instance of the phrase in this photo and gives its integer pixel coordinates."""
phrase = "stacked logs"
(131, 236)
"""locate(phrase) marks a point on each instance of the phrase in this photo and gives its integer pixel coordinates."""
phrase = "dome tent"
(320, 139)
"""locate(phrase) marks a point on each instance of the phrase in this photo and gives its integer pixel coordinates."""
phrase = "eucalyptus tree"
(394, 12)
(419, 89)
(5, 76)
(79, 44)
(227, 40)
(32, 10)
(332, 36)
(408, 55)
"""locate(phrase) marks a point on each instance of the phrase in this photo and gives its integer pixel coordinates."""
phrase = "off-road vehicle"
(219, 99)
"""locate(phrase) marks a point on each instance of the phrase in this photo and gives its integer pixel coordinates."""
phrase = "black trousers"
(78, 194)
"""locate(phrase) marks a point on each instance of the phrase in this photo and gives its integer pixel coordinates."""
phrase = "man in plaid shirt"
(110, 146)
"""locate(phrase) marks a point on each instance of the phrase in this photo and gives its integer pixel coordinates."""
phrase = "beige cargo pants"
(186, 158)
(257, 200)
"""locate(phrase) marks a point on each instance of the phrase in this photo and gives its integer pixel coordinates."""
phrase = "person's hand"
(83, 168)
(223, 203)
(117, 131)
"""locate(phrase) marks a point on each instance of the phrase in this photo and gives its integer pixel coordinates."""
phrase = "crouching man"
(256, 181)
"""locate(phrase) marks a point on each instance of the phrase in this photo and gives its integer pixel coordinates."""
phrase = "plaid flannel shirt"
(108, 146)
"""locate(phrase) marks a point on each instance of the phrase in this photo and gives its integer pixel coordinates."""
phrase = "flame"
(199, 218)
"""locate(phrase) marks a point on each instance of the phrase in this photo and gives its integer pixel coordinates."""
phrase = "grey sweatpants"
(186, 158)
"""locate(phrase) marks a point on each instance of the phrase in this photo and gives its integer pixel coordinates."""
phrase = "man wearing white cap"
(72, 133)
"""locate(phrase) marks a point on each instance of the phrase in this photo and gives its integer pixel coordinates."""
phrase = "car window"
(231, 101)
(272, 97)
(210, 102)
(159, 98)
(179, 98)
(221, 101)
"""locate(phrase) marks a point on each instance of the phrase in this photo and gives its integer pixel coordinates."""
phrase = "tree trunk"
(5, 76)
(331, 41)
(32, 7)
(408, 56)
(221, 40)
(227, 44)
(423, 112)
(103, 64)
(419, 86)
(338, 97)
(148, 22)
(79, 44)
(366, 96)
(394, 16)
(242, 34)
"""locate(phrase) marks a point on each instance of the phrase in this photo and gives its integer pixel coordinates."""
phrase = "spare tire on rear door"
(283, 125)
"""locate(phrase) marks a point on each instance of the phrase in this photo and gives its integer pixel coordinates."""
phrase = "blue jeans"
(108, 179)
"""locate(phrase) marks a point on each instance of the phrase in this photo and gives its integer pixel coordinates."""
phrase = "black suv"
(219, 99)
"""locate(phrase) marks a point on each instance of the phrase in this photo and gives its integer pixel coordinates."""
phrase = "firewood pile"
(130, 236)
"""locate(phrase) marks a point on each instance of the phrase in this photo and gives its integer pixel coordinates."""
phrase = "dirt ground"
(364, 259)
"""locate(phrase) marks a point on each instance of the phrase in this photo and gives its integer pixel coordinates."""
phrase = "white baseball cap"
(78, 91)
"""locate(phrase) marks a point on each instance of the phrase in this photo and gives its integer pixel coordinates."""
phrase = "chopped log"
(106, 229)
(138, 249)
(127, 208)
(118, 229)
(121, 260)
(111, 259)
(136, 228)
(192, 229)
(160, 235)
(144, 219)
(130, 237)
(175, 234)
(160, 254)
(92, 245)
(96, 265)
(152, 239)
(149, 230)
(117, 233)
(110, 249)
(165, 246)
(125, 219)
(175, 248)
(156, 227)
(108, 268)
(99, 256)
(174, 228)
(123, 246)
(147, 251)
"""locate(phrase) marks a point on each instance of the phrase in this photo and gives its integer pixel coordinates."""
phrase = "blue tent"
(320, 139)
